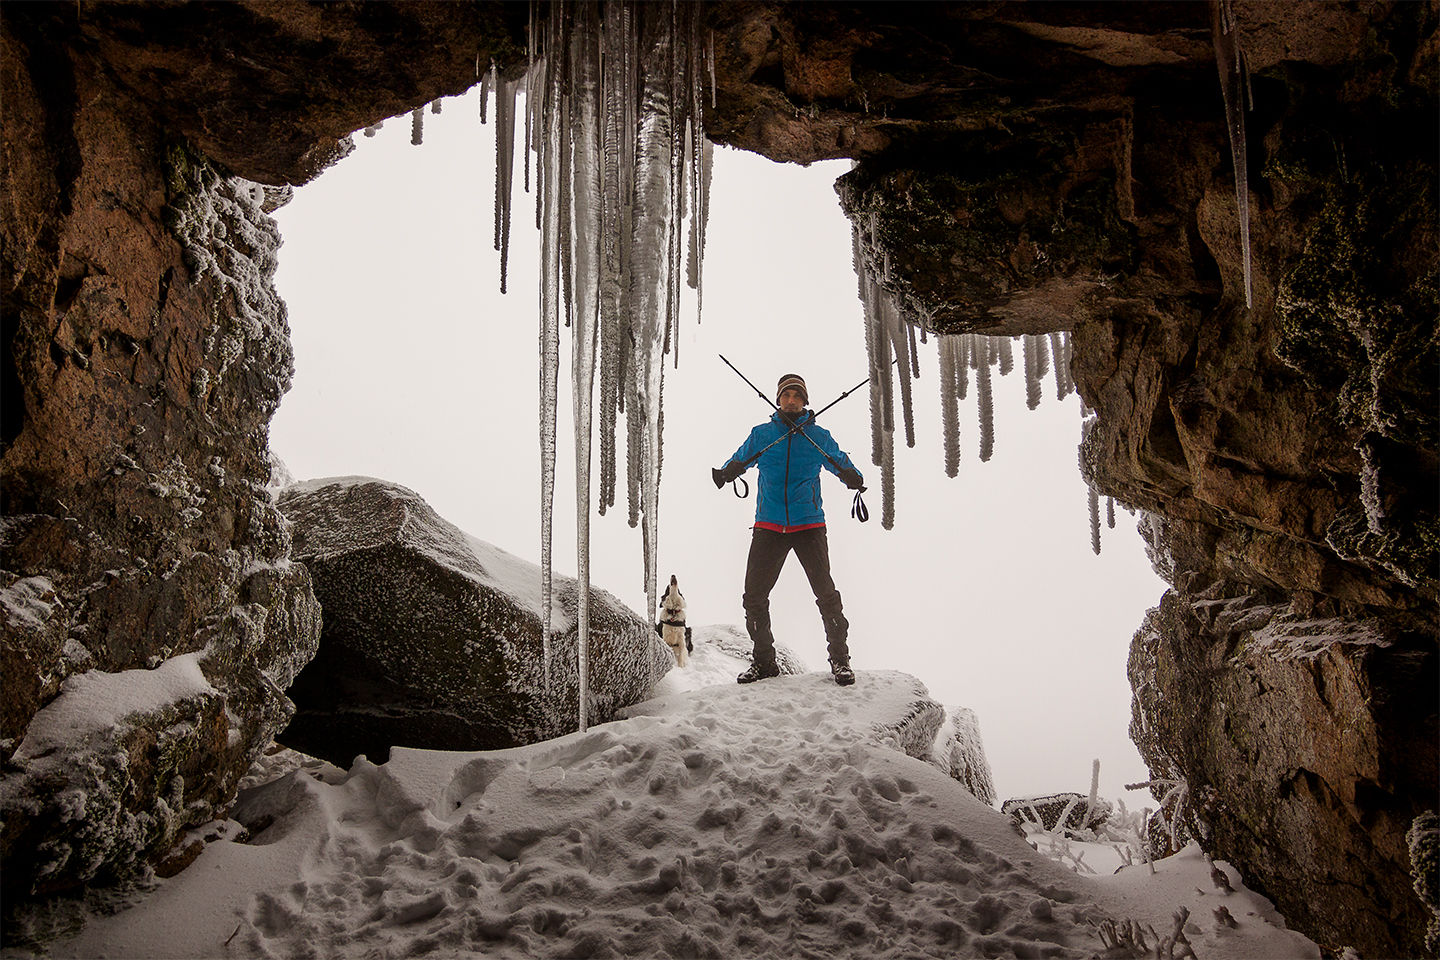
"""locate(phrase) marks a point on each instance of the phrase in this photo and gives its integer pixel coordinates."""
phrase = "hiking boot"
(759, 671)
(840, 670)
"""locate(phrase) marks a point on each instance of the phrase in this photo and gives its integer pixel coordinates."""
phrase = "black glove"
(723, 475)
(852, 479)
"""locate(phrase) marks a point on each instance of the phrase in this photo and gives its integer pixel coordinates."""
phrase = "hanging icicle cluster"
(891, 344)
(1235, 91)
(1088, 419)
(614, 113)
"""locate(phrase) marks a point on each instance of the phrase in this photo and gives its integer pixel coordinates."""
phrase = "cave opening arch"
(411, 367)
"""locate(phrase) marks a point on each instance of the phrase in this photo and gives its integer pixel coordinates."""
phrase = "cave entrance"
(411, 367)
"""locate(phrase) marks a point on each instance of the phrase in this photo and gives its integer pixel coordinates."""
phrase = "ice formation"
(891, 344)
(1234, 82)
(614, 114)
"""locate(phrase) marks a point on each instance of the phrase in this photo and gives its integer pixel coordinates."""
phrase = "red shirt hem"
(781, 528)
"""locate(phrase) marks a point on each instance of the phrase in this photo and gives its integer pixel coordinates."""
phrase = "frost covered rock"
(911, 719)
(1308, 747)
(1423, 838)
(148, 351)
(35, 641)
(432, 638)
(733, 641)
(106, 776)
(960, 752)
(1047, 811)
(885, 707)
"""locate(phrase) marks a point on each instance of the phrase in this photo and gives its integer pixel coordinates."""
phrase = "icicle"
(1032, 371)
(538, 78)
(374, 128)
(548, 168)
(435, 106)
(914, 353)
(504, 170)
(901, 348)
(417, 126)
(565, 202)
(1007, 359)
(531, 101)
(1062, 373)
(1042, 355)
(872, 347)
(948, 347)
(621, 159)
(1094, 496)
(634, 447)
(1067, 345)
(701, 217)
(586, 219)
(986, 401)
(484, 87)
(654, 186)
(1110, 512)
(887, 481)
(883, 356)
(1231, 63)
(962, 365)
(615, 233)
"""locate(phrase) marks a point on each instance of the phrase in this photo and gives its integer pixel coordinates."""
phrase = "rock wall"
(145, 353)
(1022, 167)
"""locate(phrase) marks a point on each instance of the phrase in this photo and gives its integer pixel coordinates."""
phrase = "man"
(788, 516)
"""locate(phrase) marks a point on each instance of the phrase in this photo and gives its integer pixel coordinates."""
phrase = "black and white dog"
(672, 627)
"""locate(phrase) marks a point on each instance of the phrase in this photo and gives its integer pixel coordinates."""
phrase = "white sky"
(411, 367)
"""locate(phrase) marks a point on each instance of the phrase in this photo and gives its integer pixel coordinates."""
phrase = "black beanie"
(792, 380)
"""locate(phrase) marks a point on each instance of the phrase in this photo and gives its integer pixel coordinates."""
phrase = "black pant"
(768, 552)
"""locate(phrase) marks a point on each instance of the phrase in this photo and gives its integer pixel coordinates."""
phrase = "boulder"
(433, 638)
(960, 752)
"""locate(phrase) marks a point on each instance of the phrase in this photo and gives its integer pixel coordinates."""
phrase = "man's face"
(791, 401)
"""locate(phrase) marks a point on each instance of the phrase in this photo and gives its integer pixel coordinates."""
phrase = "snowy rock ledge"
(432, 638)
(770, 820)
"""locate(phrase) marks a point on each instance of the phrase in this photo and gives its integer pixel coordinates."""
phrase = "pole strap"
(858, 510)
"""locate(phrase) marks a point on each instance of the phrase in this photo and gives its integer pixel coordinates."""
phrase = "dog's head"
(673, 602)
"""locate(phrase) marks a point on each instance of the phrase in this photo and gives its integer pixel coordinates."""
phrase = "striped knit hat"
(792, 380)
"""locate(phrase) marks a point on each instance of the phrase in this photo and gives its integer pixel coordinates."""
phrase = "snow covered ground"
(777, 819)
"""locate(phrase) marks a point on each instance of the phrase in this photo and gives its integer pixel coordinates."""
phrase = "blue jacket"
(788, 493)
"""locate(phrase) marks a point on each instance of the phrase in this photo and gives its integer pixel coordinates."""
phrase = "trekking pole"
(795, 428)
(858, 510)
(742, 376)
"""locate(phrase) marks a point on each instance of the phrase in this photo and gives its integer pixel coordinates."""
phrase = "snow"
(775, 819)
(711, 665)
(95, 702)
